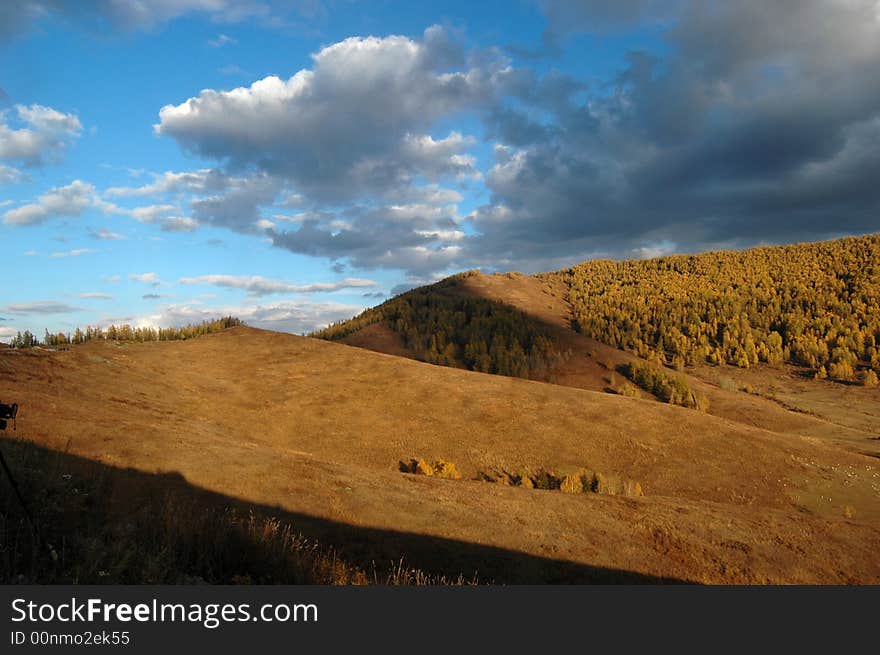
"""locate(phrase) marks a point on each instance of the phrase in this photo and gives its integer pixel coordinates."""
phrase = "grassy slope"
(317, 429)
(784, 401)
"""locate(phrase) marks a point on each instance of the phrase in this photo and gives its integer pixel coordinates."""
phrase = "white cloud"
(352, 124)
(260, 286)
(10, 175)
(214, 196)
(146, 278)
(43, 137)
(95, 295)
(73, 253)
(150, 213)
(106, 235)
(654, 250)
(285, 316)
(198, 181)
(222, 40)
(70, 200)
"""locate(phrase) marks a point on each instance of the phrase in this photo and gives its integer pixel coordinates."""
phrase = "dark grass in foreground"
(99, 525)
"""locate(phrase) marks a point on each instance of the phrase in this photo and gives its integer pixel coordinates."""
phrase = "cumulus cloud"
(44, 134)
(416, 238)
(70, 200)
(355, 123)
(214, 198)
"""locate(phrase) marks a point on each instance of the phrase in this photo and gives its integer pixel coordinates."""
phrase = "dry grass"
(84, 534)
(310, 428)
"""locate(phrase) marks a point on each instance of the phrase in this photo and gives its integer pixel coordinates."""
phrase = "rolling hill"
(826, 293)
(316, 432)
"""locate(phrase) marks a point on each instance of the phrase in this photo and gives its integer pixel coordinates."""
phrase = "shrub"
(842, 371)
(581, 481)
(446, 470)
(572, 484)
(727, 384)
(628, 390)
(547, 480)
(441, 468)
(672, 389)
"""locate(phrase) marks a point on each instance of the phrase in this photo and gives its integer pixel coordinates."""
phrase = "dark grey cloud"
(596, 17)
(761, 124)
(417, 238)
(237, 206)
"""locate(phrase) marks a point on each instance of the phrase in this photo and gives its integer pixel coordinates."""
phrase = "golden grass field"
(773, 486)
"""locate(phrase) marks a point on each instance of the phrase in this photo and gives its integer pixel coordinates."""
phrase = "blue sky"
(294, 162)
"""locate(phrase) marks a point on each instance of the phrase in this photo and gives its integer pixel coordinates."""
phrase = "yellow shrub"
(446, 470)
(572, 484)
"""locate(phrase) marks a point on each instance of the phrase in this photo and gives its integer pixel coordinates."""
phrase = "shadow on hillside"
(98, 523)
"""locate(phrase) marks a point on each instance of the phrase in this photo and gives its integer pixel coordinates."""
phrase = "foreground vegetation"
(124, 333)
(442, 327)
(97, 525)
(815, 305)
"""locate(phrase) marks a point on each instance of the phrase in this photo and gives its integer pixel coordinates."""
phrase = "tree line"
(815, 305)
(124, 333)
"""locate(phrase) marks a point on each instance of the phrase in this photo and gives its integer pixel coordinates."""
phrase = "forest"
(442, 326)
(815, 305)
(124, 333)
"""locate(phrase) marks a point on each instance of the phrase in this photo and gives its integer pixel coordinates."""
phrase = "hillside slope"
(318, 430)
(776, 395)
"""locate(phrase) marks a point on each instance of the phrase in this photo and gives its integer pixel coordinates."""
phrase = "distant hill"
(440, 325)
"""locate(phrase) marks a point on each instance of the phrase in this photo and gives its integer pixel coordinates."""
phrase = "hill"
(316, 433)
(676, 321)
